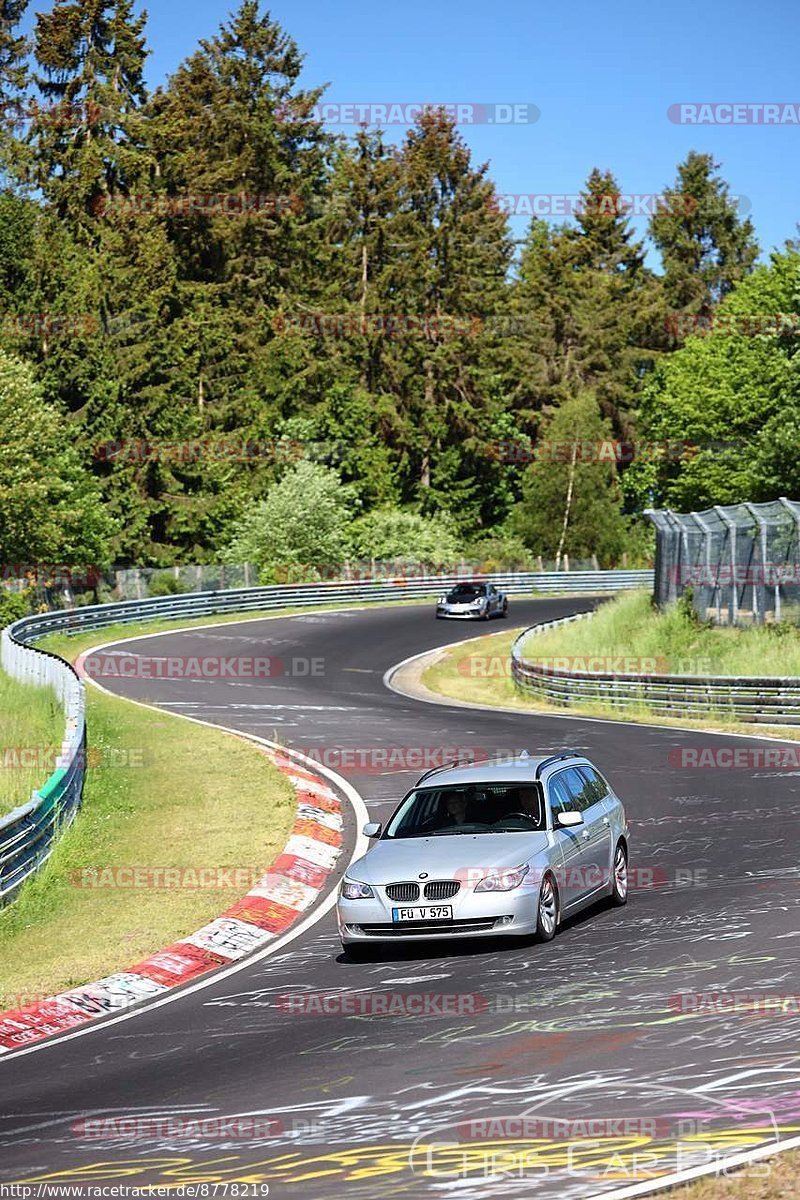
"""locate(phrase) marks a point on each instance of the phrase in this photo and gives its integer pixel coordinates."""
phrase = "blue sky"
(603, 76)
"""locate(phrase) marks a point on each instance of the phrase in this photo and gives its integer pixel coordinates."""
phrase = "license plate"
(430, 912)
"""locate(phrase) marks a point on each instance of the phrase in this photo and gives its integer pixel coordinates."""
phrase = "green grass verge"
(771, 1179)
(630, 626)
(32, 727)
(160, 792)
(453, 676)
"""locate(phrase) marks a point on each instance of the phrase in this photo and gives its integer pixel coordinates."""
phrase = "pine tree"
(451, 275)
(14, 80)
(242, 174)
(594, 306)
(84, 137)
(705, 246)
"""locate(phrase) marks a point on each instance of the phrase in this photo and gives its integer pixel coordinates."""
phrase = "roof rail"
(554, 758)
(457, 762)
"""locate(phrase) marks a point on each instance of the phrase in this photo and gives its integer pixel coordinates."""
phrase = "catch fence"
(740, 562)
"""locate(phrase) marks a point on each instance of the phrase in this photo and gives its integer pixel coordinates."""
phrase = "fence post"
(730, 525)
(707, 547)
(760, 595)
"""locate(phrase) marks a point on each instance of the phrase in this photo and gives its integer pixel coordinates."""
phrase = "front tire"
(547, 911)
(619, 875)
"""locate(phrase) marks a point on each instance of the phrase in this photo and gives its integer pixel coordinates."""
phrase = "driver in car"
(529, 803)
(456, 804)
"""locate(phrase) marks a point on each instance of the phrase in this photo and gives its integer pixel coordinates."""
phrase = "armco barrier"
(757, 700)
(28, 834)
(278, 596)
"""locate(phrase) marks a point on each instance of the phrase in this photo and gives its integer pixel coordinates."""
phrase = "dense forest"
(228, 334)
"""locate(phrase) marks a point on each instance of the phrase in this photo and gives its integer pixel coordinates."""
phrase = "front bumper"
(493, 914)
(456, 614)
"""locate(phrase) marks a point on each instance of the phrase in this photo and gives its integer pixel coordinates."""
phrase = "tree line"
(342, 325)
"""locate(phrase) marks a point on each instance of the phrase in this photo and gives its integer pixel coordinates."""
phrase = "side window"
(597, 786)
(560, 800)
(579, 789)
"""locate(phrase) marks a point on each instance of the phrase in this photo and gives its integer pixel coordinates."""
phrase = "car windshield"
(468, 591)
(469, 808)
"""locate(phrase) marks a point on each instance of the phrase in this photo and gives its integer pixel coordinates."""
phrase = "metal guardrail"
(278, 596)
(28, 835)
(758, 700)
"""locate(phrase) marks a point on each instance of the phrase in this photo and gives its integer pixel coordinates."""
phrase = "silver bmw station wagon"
(488, 849)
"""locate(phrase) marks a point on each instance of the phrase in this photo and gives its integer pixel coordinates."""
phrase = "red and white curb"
(289, 887)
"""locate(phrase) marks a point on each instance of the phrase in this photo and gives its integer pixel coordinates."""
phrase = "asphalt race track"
(572, 1069)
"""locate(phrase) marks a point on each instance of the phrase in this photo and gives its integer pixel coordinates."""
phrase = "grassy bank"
(771, 1179)
(630, 626)
(160, 792)
(479, 673)
(31, 732)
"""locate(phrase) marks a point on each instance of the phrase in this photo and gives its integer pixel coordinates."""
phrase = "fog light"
(505, 921)
(354, 929)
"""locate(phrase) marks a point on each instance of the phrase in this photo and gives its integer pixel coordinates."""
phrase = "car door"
(589, 792)
(613, 812)
(570, 843)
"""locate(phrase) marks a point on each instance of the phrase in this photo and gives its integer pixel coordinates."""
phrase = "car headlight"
(352, 890)
(442, 600)
(503, 881)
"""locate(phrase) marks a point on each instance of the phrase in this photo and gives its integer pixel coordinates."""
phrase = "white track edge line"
(678, 1178)
(361, 814)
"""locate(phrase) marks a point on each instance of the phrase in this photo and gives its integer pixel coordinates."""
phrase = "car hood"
(445, 857)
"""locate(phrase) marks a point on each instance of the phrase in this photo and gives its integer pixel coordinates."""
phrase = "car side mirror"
(568, 820)
(372, 829)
